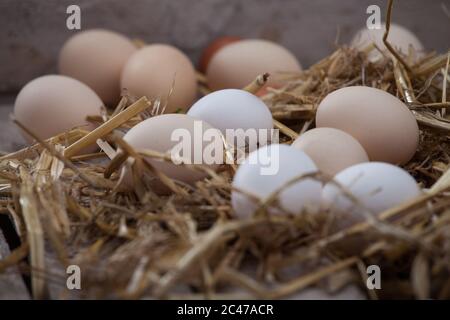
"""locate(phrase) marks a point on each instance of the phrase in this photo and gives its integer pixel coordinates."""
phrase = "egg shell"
(53, 104)
(383, 124)
(232, 109)
(239, 63)
(268, 169)
(96, 57)
(155, 134)
(377, 186)
(399, 37)
(332, 150)
(213, 48)
(154, 69)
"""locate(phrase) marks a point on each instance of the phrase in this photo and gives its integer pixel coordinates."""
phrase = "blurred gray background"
(32, 31)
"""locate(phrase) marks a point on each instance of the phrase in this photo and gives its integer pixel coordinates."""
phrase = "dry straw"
(190, 245)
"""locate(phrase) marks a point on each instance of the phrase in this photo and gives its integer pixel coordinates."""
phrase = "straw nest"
(190, 245)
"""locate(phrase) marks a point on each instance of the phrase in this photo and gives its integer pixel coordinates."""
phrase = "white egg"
(399, 37)
(232, 109)
(268, 169)
(377, 186)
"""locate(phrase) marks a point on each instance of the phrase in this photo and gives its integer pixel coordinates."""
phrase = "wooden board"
(11, 282)
(10, 137)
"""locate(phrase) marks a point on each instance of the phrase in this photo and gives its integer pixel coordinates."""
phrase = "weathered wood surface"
(11, 282)
(10, 137)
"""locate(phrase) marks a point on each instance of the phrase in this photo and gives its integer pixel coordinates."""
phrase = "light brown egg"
(96, 57)
(383, 124)
(238, 63)
(332, 150)
(53, 104)
(152, 71)
(156, 134)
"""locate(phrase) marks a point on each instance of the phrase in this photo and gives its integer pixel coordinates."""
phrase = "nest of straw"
(69, 208)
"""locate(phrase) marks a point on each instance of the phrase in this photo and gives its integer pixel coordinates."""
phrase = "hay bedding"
(189, 244)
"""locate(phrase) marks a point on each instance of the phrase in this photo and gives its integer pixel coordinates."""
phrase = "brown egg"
(53, 104)
(152, 71)
(213, 48)
(238, 63)
(332, 150)
(96, 57)
(382, 123)
(156, 134)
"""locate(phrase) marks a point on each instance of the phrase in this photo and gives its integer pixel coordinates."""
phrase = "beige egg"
(399, 37)
(239, 63)
(332, 150)
(382, 124)
(96, 57)
(152, 71)
(160, 133)
(53, 104)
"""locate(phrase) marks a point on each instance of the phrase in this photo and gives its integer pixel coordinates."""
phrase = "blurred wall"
(32, 31)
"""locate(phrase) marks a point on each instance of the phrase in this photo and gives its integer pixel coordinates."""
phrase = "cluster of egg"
(362, 134)
(354, 125)
(96, 65)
